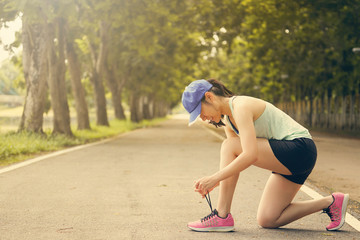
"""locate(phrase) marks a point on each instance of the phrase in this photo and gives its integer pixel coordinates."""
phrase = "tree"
(43, 60)
(57, 69)
(73, 31)
(160, 49)
(95, 31)
(35, 73)
(98, 58)
(34, 62)
(77, 88)
(116, 85)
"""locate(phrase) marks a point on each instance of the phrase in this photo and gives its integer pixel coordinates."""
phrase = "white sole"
(343, 213)
(213, 229)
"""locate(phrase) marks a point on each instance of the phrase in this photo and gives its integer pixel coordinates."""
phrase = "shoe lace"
(333, 212)
(213, 213)
(209, 201)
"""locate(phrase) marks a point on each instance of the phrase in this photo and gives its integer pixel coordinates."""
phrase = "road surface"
(137, 186)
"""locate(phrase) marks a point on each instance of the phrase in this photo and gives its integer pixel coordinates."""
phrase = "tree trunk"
(147, 111)
(77, 88)
(96, 76)
(115, 87)
(35, 72)
(57, 71)
(160, 109)
(119, 110)
(136, 107)
(100, 100)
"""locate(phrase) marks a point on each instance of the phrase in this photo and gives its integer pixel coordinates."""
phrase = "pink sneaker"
(213, 223)
(337, 211)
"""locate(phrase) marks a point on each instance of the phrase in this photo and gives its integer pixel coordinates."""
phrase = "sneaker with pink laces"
(337, 211)
(213, 223)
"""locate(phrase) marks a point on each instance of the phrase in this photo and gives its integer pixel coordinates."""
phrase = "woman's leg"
(230, 149)
(276, 208)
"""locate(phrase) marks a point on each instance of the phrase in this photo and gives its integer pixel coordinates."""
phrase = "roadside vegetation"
(18, 146)
(302, 56)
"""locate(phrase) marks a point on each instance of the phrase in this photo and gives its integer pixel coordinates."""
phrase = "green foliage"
(288, 49)
(154, 47)
(8, 11)
(279, 50)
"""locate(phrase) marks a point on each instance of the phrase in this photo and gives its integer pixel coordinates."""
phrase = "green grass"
(15, 147)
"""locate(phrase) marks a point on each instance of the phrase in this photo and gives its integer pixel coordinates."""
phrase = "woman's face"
(209, 111)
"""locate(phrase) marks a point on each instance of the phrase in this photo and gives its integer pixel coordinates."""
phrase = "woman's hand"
(205, 185)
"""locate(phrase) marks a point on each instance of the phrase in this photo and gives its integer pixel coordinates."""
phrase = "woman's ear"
(209, 96)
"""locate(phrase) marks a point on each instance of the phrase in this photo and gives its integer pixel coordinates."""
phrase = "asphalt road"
(137, 186)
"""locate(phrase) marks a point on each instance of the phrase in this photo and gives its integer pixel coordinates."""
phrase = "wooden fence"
(338, 113)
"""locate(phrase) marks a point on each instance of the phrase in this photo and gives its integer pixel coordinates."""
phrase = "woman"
(257, 134)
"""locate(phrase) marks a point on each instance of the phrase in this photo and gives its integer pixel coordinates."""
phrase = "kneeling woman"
(257, 134)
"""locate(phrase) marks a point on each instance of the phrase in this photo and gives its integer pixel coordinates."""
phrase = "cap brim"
(195, 114)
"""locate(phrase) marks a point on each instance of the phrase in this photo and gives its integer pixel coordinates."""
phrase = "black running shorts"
(298, 155)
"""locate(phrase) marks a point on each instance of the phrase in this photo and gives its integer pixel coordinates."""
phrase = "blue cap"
(191, 98)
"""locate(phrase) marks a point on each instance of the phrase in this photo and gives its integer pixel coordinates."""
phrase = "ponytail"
(219, 89)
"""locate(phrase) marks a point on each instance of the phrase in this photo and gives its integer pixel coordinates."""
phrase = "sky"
(7, 36)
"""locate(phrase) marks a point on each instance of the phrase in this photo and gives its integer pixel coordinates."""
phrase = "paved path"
(338, 164)
(137, 186)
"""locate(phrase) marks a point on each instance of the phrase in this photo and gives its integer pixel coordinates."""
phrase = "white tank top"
(274, 124)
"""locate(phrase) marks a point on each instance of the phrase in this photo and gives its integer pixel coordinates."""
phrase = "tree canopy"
(144, 52)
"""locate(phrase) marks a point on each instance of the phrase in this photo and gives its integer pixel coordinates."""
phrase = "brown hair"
(218, 89)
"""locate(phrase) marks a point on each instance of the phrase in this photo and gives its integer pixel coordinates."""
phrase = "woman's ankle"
(329, 201)
(222, 213)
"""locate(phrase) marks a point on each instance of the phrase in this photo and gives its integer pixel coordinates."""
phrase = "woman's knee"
(267, 220)
(231, 145)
